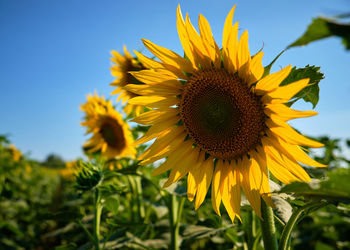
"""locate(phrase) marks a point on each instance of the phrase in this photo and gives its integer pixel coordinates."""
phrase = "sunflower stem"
(97, 218)
(268, 227)
(175, 212)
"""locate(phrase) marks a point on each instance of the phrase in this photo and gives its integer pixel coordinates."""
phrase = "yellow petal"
(276, 165)
(201, 54)
(156, 130)
(288, 134)
(294, 152)
(185, 41)
(188, 160)
(258, 172)
(173, 159)
(169, 57)
(272, 81)
(215, 187)
(285, 93)
(161, 90)
(231, 191)
(250, 186)
(285, 113)
(162, 152)
(227, 27)
(156, 115)
(151, 77)
(243, 54)
(203, 186)
(209, 42)
(154, 101)
(230, 50)
(256, 68)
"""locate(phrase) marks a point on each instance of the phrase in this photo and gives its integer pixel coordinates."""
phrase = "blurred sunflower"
(216, 119)
(121, 68)
(16, 154)
(111, 135)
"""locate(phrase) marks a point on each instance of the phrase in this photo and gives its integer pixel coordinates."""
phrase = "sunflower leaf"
(311, 92)
(321, 28)
(334, 188)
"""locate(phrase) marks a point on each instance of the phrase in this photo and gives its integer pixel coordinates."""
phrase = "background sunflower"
(123, 64)
(111, 135)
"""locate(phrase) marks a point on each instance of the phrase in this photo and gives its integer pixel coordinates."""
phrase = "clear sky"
(54, 52)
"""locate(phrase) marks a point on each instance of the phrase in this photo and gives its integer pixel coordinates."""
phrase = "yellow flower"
(69, 171)
(111, 135)
(216, 119)
(16, 154)
(121, 68)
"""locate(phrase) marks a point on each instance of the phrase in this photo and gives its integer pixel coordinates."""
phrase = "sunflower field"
(200, 156)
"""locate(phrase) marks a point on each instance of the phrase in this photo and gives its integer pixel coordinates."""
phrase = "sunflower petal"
(169, 57)
(185, 41)
(249, 185)
(256, 68)
(203, 186)
(207, 36)
(287, 133)
(215, 187)
(285, 93)
(272, 81)
(285, 113)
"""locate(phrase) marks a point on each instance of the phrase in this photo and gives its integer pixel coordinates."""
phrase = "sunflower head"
(218, 120)
(16, 154)
(122, 65)
(110, 134)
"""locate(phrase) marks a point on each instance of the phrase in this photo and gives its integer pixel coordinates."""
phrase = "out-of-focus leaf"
(321, 28)
(63, 216)
(334, 188)
(311, 92)
(70, 246)
(198, 232)
(112, 204)
(110, 189)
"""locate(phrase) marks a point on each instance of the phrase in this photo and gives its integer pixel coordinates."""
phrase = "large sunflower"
(121, 68)
(216, 119)
(111, 135)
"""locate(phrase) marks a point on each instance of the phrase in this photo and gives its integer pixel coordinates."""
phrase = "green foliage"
(321, 28)
(334, 188)
(311, 92)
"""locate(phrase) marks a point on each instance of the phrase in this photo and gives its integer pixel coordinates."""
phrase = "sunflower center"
(112, 133)
(221, 114)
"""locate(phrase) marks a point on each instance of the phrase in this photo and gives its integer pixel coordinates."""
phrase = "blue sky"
(53, 53)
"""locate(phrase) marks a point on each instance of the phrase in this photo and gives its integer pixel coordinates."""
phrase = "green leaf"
(110, 189)
(334, 188)
(198, 232)
(321, 28)
(311, 92)
(112, 204)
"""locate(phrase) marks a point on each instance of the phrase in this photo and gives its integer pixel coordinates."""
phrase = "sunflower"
(217, 120)
(16, 154)
(121, 68)
(111, 135)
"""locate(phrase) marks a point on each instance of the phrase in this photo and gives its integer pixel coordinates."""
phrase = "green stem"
(97, 218)
(268, 227)
(175, 212)
(140, 207)
(285, 237)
